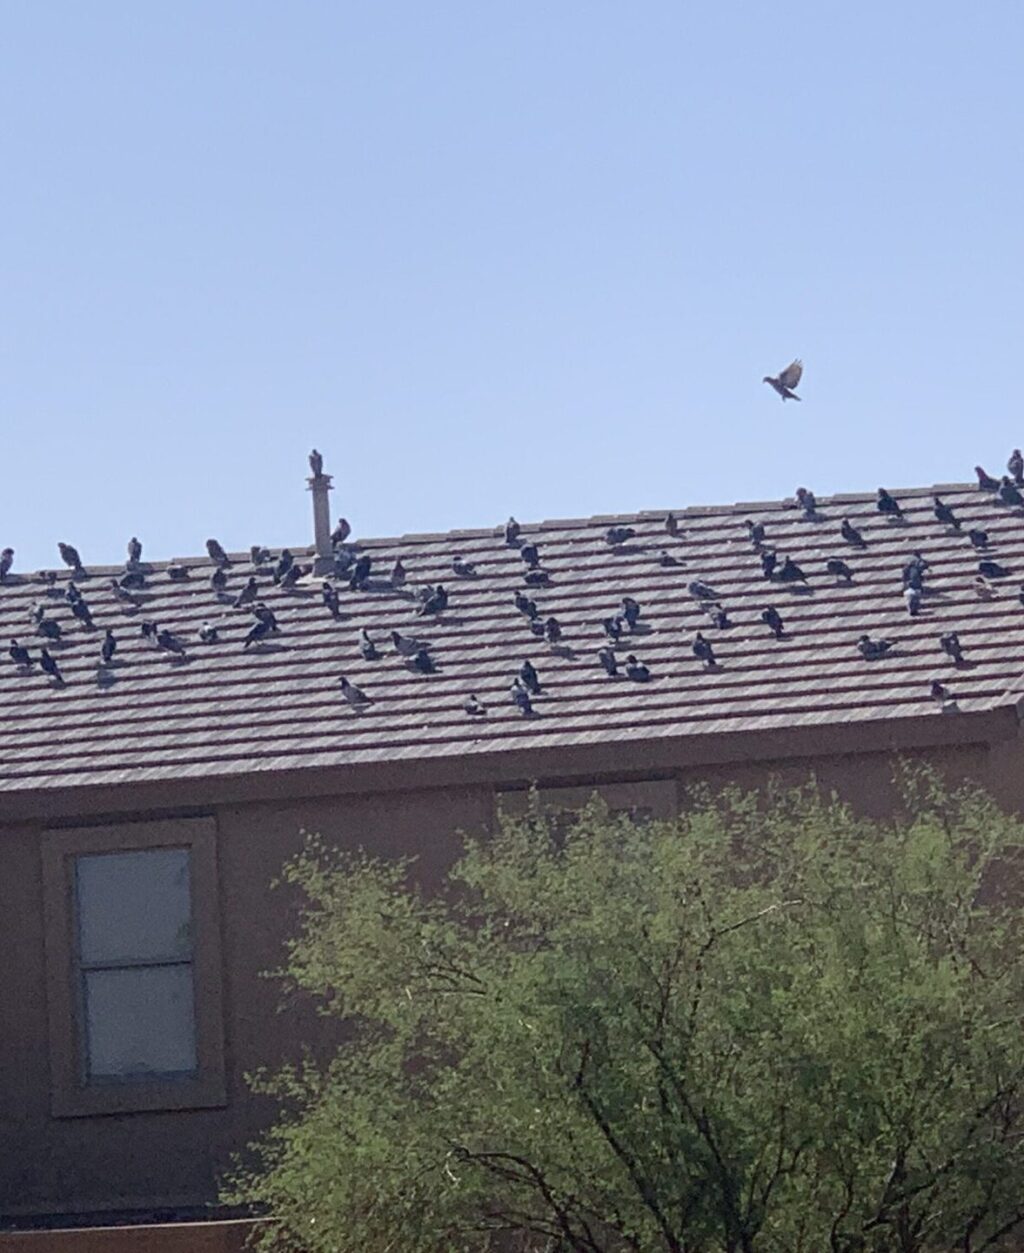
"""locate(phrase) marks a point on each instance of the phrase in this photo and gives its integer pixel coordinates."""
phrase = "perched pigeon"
(719, 618)
(132, 578)
(82, 612)
(263, 614)
(248, 593)
(464, 569)
(888, 505)
(871, 649)
(837, 567)
(422, 662)
(354, 695)
(473, 707)
(912, 597)
(122, 594)
(773, 621)
(992, 569)
(1016, 467)
(108, 647)
(258, 632)
(170, 643)
(636, 670)
(769, 561)
(850, 533)
(672, 525)
(72, 593)
(978, 537)
(536, 578)
(1008, 493)
(700, 590)
(19, 654)
(617, 535)
(786, 380)
(134, 551)
(217, 553)
(528, 675)
(208, 633)
(666, 559)
(295, 573)
(344, 560)
(985, 481)
(6, 561)
(538, 628)
(177, 573)
(702, 650)
(983, 589)
(755, 532)
(607, 659)
(939, 693)
(316, 464)
(521, 696)
(360, 572)
(406, 646)
(525, 605)
(945, 514)
(50, 667)
(791, 572)
(612, 628)
(397, 574)
(950, 645)
(69, 555)
(341, 532)
(512, 529)
(219, 580)
(258, 555)
(49, 629)
(329, 594)
(149, 631)
(368, 648)
(530, 553)
(38, 612)
(552, 631)
(436, 602)
(807, 501)
(630, 611)
(284, 564)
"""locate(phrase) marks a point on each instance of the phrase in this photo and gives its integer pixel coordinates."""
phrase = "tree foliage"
(769, 1025)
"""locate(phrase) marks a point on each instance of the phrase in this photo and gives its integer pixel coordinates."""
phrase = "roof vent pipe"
(320, 486)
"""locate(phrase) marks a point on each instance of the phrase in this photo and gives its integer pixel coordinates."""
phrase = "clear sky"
(496, 257)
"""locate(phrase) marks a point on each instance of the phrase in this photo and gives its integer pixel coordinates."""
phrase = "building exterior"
(147, 804)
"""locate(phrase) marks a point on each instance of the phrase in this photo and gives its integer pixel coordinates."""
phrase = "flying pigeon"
(69, 555)
(397, 574)
(19, 654)
(208, 633)
(1008, 493)
(769, 561)
(217, 553)
(837, 567)
(978, 538)
(773, 621)
(791, 572)
(316, 464)
(672, 525)
(436, 602)
(636, 670)
(871, 649)
(607, 659)
(617, 535)
(6, 561)
(912, 597)
(950, 645)
(630, 611)
(284, 564)
(807, 501)
(888, 505)
(329, 594)
(522, 698)
(529, 677)
(368, 648)
(850, 533)
(552, 631)
(354, 695)
(755, 532)
(786, 380)
(945, 514)
(530, 553)
(248, 593)
(406, 646)
(702, 650)
(512, 529)
(1016, 467)
(134, 551)
(700, 590)
(341, 532)
(473, 707)
(50, 667)
(170, 643)
(108, 647)
(525, 605)
(464, 569)
(992, 569)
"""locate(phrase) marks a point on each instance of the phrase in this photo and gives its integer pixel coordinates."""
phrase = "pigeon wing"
(792, 374)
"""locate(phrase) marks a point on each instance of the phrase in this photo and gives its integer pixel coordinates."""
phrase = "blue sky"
(491, 258)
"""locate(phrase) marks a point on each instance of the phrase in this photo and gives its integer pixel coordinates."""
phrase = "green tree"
(769, 1025)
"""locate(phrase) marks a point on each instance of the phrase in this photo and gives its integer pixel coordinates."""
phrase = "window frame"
(73, 1094)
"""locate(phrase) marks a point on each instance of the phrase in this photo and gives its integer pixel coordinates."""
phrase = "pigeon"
(219, 580)
(791, 572)
(552, 631)
(421, 661)
(888, 504)
(354, 695)
(850, 533)
(672, 525)
(208, 633)
(473, 707)
(530, 553)
(397, 574)
(464, 569)
(81, 611)
(316, 464)
(284, 564)
(755, 532)
(666, 559)
(69, 555)
(982, 589)
(368, 648)
(636, 670)
(912, 597)
(134, 551)
(132, 578)
(406, 646)
(985, 481)
(719, 618)
(1016, 467)
(607, 659)
(108, 647)
(536, 578)
(992, 569)
(807, 501)
(258, 555)
(436, 602)
(341, 532)
(71, 592)
(49, 629)
(700, 590)
(950, 645)
(344, 560)
(38, 612)
(612, 628)
(294, 573)
(786, 380)
(525, 605)
(529, 677)
(170, 643)
(122, 594)
(360, 572)
(50, 667)
(837, 567)
(329, 595)
(939, 693)
(248, 593)
(258, 632)
(538, 628)
(978, 537)
(19, 654)
(1008, 493)
(871, 649)
(618, 535)
(945, 514)
(768, 563)
(512, 529)
(217, 554)
(6, 561)
(630, 611)
(149, 631)
(522, 698)
(263, 614)
(773, 621)
(702, 650)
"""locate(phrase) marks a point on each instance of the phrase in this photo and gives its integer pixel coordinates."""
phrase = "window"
(133, 961)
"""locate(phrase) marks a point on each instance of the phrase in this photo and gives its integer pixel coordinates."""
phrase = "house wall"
(161, 1160)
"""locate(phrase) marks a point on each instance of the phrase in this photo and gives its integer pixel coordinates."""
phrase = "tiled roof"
(225, 711)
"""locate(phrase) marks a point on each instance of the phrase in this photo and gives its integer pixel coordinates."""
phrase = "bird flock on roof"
(240, 594)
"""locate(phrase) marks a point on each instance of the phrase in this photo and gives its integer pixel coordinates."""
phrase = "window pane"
(133, 906)
(140, 1021)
